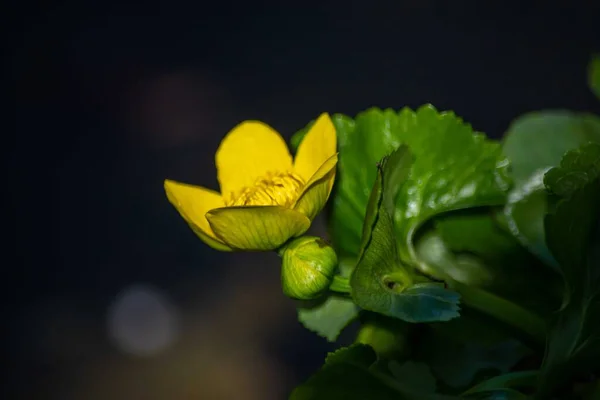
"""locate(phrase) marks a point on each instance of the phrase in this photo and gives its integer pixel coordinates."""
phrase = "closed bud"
(308, 268)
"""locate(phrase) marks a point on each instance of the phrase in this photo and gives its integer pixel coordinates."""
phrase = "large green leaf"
(454, 168)
(351, 374)
(534, 143)
(538, 140)
(573, 236)
(594, 75)
(380, 282)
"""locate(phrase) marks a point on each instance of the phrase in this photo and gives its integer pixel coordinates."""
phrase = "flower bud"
(308, 268)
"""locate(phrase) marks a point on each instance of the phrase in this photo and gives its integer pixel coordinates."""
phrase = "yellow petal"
(193, 202)
(249, 151)
(317, 190)
(318, 146)
(257, 227)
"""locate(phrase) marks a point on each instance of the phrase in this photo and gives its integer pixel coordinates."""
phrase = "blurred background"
(107, 292)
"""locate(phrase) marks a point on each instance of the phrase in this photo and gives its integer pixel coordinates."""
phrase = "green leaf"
(594, 75)
(578, 169)
(573, 236)
(497, 394)
(347, 375)
(415, 374)
(388, 336)
(510, 380)
(474, 231)
(454, 168)
(463, 349)
(380, 207)
(443, 264)
(351, 374)
(534, 143)
(354, 354)
(492, 273)
(525, 211)
(329, 316)
(538, 140)
(503, 266)
(426, 302)
(380, 282)
(574, 221)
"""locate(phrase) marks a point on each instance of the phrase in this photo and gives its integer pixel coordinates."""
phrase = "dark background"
(108, 294)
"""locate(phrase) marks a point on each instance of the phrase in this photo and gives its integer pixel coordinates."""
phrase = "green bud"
(308, 268)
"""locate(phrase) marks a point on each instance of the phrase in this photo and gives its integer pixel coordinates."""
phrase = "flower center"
(274, 189)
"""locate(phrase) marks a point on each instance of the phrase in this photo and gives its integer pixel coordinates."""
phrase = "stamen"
(274, 189)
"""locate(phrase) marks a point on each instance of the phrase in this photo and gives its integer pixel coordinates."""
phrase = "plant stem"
(504, 310)
(340, 284)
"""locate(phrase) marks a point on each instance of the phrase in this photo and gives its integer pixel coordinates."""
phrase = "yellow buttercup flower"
(266, 197)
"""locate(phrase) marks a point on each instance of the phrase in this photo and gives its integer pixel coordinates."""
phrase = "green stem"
(505, 311)
(340, 284)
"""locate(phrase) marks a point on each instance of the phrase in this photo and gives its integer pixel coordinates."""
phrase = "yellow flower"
(265, 199)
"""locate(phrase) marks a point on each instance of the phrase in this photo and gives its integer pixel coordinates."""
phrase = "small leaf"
(426, 302)
(351, 374)
(578, 168)
(354, 354)
(510, 380)
(329, 316)
(573, 235)
(594, 75)
(389, 337)
(497, 394)
(347, 375)
(460, 350)
(380, 282)
(538, 140)
(414, 374)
